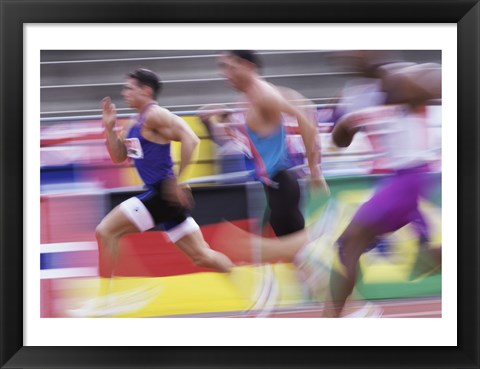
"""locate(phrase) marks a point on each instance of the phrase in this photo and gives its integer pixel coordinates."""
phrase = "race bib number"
(134, 148)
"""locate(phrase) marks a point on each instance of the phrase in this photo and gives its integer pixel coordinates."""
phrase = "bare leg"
(194, 245)
(436, 254)
(244, 246)
(116, 224)
(108, 233)
(352, 243)
(429, 260)
(284, 248)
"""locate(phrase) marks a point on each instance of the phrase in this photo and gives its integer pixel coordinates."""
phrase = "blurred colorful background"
(79, 185)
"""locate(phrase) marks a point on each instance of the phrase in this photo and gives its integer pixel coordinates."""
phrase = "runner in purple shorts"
(403, 127)
(396, 203)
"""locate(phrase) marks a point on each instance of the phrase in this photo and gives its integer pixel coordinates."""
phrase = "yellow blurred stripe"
(181, 295)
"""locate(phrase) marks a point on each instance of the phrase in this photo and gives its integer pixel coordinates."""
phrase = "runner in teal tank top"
(265, 132)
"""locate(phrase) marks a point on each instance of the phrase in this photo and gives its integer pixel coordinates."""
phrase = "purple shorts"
(395, 204)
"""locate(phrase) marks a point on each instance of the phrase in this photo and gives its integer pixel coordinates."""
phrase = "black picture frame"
(14, 14)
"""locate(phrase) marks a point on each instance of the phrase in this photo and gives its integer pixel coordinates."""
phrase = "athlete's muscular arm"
(273, 101)
(116, 147)
(300, 101)
(170, 127)
(173, 128)
(269, 101)
(311, 141)
(294, 101)
(189, 141)
(215, 117)
(345, 129)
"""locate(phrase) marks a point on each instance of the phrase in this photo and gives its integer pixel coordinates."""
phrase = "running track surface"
(431, 308)
(395, 308)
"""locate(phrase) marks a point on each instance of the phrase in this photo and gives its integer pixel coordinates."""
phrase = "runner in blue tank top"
(147, 142)
(152, 160)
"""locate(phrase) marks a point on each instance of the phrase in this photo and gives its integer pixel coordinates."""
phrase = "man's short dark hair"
(146, 77)
(247, 55)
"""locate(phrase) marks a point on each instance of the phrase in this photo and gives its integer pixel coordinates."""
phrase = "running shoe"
(369, 310)
(314, 260)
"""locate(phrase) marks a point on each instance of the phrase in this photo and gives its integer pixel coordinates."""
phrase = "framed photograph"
(35, 335)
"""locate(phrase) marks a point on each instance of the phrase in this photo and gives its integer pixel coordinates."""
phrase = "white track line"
(68, 273)
(47, 248)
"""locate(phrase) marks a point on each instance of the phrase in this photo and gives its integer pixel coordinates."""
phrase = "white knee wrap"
(186, 227)
(138, 214)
